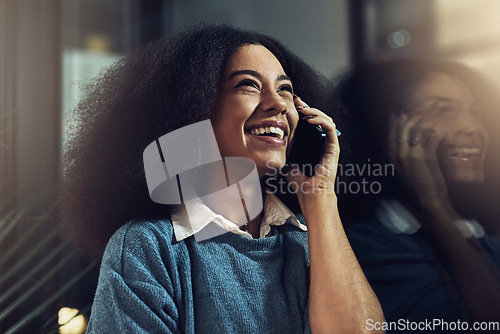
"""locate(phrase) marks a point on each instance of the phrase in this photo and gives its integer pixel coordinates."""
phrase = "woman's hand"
(413, 148)
(340, 298)
(323, 182)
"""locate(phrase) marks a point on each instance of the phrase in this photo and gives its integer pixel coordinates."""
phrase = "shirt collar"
(275, 213)
(399, 220)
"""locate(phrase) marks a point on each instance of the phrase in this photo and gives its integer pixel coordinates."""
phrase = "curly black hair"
(162, 86)
(374, 91)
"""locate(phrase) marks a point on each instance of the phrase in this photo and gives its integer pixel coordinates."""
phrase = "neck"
(253, 227)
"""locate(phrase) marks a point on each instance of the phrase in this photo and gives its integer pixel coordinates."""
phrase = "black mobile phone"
(307, 147)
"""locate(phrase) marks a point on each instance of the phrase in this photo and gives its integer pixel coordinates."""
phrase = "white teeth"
(465, 151)
(260, 131)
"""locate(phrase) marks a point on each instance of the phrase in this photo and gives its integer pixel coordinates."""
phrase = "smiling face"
(255, 113)
(449, 105)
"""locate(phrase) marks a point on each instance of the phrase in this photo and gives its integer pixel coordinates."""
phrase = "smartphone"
(307, 147)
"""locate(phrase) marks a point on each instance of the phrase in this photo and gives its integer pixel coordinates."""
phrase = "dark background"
(49, 48)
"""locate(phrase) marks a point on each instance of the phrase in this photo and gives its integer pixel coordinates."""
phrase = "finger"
(299, 104)
(434, 141)
(426, 136)
(416, 153)
(304, 109)
(312, 113)
(405, 124)
(418, 135)
(432, 160)
(317, 117)
(331, 149)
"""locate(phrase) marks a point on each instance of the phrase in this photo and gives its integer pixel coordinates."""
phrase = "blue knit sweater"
(150, 283)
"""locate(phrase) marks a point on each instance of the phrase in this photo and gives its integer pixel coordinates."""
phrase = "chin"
(269, 168)
(464, 176)
(463, 169)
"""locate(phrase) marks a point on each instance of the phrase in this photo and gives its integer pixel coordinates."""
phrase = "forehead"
(442, 85)
(254, 57)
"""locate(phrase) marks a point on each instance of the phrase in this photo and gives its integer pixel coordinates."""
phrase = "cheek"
(483, 131)
(227, 133)
(441, 122)
(224, 130)
(293, 119)
(230, 118)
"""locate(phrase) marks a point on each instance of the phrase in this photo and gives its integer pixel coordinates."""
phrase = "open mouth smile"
(272, 132)
(466, 153)
(269, 131)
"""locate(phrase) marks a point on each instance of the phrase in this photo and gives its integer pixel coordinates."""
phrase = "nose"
(471, 124)
(273, 102)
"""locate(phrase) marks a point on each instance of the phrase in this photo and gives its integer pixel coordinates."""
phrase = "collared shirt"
(395, 217)
(275, 213)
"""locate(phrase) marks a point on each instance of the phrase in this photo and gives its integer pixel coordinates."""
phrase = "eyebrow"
(259, 76)
(437, 99)
(283, 77)
(442, 98)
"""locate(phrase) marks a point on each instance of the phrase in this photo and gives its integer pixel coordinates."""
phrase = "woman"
(421, 248)
(241, 282)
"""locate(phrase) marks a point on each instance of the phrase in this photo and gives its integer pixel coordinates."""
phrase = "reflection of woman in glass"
(423, 251)
(271, 276)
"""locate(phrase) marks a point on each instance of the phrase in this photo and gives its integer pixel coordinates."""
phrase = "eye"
(248, 83)
(447, 107)
(287, 88)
